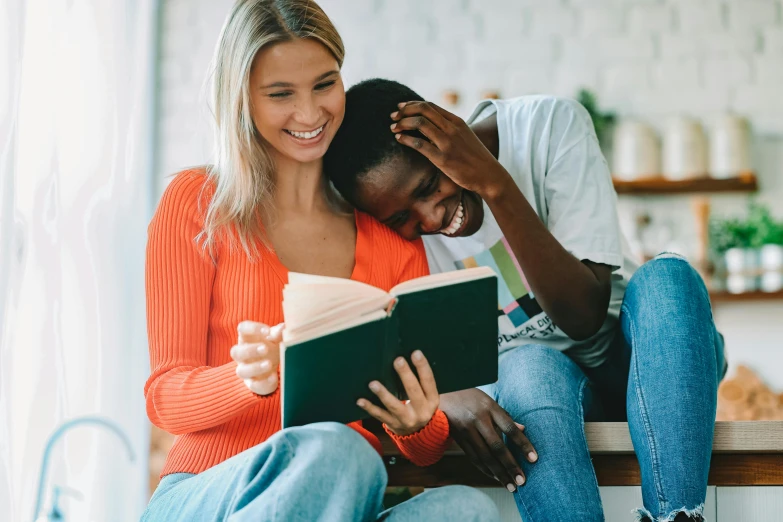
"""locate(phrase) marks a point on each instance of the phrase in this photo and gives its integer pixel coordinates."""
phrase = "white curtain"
(76, 131)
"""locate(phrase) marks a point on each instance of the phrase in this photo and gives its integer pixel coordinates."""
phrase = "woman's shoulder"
(189, 183)
(385, 238)
(189, 191)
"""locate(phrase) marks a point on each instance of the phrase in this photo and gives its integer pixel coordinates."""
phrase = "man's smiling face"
(411, 196)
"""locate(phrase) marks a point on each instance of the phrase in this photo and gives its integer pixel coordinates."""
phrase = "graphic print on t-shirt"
(515, 298)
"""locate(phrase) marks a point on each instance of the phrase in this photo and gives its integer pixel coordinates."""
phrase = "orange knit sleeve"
(183, 394)
(426, 446)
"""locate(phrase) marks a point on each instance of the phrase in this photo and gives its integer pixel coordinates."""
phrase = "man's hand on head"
(452, 147)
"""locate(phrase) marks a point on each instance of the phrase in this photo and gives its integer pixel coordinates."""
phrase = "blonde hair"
(243, 167)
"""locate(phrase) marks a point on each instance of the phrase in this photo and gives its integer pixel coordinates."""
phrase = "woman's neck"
(299, 187)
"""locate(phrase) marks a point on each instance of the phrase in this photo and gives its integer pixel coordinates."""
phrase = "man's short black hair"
(365, 140)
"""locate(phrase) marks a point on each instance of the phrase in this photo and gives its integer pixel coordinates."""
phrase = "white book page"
(291, 338)
(302, 306)
(316, 305)
(340, 315)
(298, 279)
(443, 279)
(307, 297)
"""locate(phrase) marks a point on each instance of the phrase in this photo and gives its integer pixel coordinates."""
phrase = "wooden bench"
(744, 454)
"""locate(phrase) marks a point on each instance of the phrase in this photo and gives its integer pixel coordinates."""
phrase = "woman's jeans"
(323, 471)
(662, 376)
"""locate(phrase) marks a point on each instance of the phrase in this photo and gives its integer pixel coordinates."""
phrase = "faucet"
(54, 437)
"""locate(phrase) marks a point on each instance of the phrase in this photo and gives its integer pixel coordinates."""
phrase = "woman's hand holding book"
(406, 418)
(257, 354)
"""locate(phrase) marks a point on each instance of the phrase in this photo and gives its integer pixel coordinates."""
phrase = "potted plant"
(748, 246)
(602, 120)
(733, 240)
(770, 237)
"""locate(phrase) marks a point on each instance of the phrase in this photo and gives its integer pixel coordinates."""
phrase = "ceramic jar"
(772, 258)
(742, 266)
(772, 268)
(636, 151)
(729, 147)
(684, 150)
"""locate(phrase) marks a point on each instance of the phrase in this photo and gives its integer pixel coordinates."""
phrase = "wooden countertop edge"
(614, 438)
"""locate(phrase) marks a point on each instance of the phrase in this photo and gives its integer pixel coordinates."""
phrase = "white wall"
(644, 58)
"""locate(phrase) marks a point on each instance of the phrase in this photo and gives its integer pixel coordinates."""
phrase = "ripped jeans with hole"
(662, 377)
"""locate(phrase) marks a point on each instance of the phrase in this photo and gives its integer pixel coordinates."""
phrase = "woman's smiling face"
(414, 198)
(298, 98)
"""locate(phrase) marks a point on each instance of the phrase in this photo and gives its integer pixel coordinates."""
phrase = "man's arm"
(575, 294)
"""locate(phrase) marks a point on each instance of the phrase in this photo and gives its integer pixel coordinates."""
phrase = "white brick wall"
(548, 19)
(699, 16)
(769, 70)
(602, 20)
(627, 76)
(752, 14)
(731, 72)
(681, 73)
(652, 18)
(642, 57)
(772, 39)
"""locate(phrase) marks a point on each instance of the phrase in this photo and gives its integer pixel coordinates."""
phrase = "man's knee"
(664, 288)
(665, 276)
(534, 376)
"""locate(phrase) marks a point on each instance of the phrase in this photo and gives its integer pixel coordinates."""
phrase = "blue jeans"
(323, 471)
(662, 377)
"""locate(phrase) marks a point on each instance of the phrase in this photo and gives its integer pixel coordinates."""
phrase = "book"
(341, 334)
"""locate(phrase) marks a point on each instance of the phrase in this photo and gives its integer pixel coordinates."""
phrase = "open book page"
(299, 336)
(316, 305)
(442, 279)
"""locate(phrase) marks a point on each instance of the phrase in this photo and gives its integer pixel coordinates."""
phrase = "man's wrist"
(501, 182)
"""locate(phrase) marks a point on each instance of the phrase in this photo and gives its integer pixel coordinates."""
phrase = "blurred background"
(104, 100)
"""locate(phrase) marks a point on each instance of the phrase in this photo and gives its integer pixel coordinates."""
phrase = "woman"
(220, 247)
(582, 333)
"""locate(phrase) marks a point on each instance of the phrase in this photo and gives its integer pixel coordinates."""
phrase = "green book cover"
(453, 323)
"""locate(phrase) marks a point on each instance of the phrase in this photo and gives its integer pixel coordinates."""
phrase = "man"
(522, 187)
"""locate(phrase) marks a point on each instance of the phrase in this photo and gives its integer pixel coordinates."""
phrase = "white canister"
(772, 258)
(772, 281)
(684, 150)
(742, 266)
(729, 147)
(741, 283)
(772, 267)
(742, 260)
(636, 151)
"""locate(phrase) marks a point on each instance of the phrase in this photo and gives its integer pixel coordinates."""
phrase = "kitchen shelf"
(726, 297)
(743, 183)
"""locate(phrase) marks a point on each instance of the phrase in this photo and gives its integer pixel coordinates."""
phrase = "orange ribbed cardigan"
(194, 305)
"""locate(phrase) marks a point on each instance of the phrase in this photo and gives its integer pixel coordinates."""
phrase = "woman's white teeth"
(456, 222)
(306, 135)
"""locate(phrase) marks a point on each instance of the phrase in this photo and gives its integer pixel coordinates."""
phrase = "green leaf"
(602, 121)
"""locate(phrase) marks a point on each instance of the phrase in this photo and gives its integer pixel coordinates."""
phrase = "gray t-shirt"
(549, 147)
